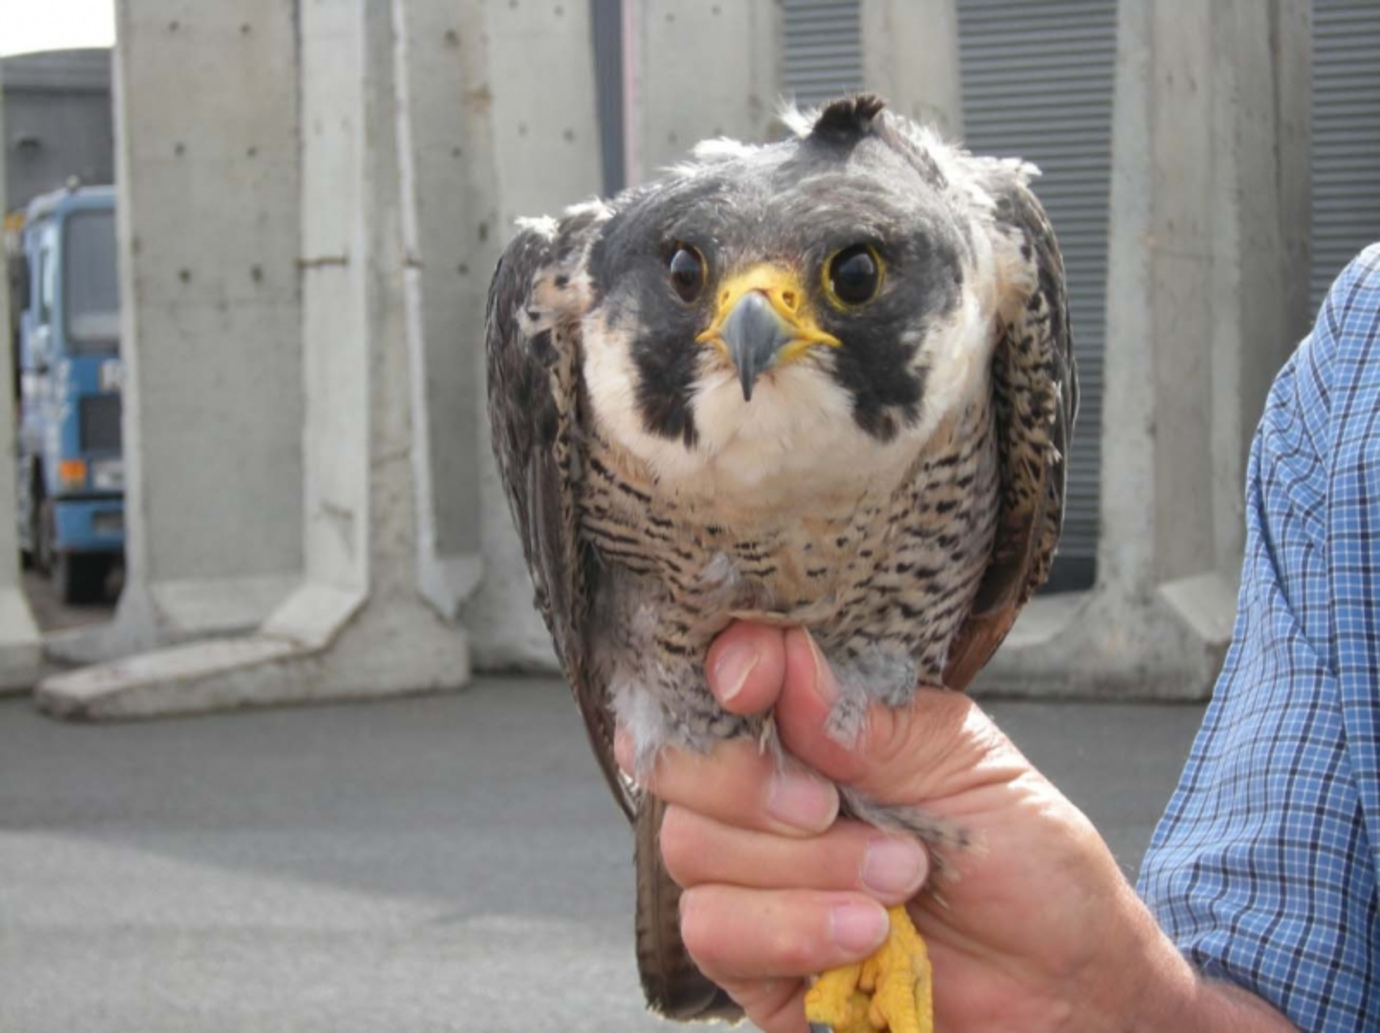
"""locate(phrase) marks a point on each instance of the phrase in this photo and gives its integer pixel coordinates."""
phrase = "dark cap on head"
(850, 116)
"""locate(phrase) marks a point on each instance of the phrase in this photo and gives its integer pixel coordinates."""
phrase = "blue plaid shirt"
(1263, 869)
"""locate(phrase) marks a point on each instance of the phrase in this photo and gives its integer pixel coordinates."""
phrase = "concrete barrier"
(533, 149)
(700, 70)
(894, 32)
(209, 203)
(1207, 296)
(359, 623)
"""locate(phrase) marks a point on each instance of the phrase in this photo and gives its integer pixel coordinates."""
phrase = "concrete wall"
(209, 224)
(894, 35)
(700, 70)
(59, 122)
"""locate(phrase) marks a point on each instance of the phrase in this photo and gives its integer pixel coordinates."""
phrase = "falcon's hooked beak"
(762, 321)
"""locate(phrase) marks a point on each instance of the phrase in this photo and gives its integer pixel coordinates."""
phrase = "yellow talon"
(836, 1001)
(891, 990)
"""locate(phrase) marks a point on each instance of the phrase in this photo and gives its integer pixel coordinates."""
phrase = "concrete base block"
(172, 612)
(196, 608)
(1205, 605)
(1099, 645)
(314, 614)
(379, 651)
(21, 648)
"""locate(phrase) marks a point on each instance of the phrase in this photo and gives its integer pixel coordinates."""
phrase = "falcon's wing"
(536, 299)
(1035, 393)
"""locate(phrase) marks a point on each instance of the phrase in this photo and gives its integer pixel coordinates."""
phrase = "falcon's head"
(819, 304)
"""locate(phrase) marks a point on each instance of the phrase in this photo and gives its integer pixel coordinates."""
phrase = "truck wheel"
(34, 520)
(45, 535)
(78, 579)
(28, 554)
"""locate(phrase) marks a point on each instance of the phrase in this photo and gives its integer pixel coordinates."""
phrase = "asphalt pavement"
(51, 614)
(442, 863)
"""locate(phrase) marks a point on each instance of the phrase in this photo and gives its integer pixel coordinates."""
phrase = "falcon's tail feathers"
(673, 985)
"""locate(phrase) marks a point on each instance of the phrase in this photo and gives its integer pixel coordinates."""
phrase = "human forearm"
(1172, 997)
(1223, 1008)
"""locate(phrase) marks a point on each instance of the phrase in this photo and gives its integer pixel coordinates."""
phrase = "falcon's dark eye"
(686, 269)
(854, 275)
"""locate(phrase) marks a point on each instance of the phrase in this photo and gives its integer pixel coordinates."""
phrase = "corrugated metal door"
(1037, 84)
(1346, 135)
(822, 49)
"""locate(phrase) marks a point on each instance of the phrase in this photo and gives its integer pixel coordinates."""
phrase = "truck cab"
(71, 468)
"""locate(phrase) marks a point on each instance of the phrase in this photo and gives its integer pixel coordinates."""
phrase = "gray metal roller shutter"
(822, 49)
(1037, 84)
(1346, 135)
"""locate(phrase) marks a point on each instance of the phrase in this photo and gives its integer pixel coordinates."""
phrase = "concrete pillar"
(531, 148)
(358, 625)
(699, 70)
(209, 222)
(21, 651)
(894, 33)
(1207, 297)
(446, 167)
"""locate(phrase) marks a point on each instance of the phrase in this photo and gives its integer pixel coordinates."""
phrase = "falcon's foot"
(891, 990)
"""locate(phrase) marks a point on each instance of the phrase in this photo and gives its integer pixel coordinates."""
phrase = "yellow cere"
(783, 290)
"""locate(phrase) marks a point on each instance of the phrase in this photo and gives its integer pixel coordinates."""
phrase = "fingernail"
(858, 928)
(822, 678)
(732, 668)
(893, 867)
(803, 801)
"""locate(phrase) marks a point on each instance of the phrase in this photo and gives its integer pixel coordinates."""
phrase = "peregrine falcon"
(823, 382)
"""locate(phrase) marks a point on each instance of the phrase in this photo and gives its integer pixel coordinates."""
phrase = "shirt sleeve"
(1262, 870)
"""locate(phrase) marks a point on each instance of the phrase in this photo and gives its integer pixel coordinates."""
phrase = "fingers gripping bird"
(824, 382)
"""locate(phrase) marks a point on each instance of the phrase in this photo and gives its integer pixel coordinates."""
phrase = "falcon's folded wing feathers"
(535, 302)
(1035, 397)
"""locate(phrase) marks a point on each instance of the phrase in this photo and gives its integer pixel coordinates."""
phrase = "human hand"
(1036, 929)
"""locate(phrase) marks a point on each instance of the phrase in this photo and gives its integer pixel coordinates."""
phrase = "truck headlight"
(72, 473)
(108, 475)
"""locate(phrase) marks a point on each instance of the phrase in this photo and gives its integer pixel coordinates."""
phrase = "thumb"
(938, 744)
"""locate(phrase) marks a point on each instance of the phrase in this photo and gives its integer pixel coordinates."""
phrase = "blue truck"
(70, 481)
